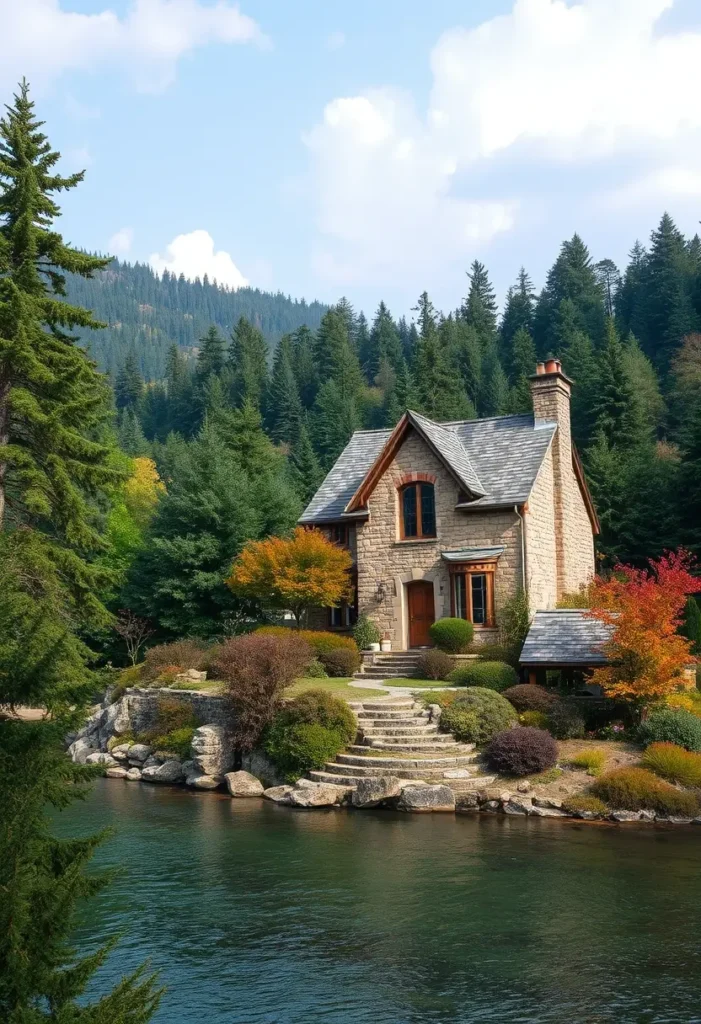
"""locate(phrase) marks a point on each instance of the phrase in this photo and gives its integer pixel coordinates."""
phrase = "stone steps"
(409, 716)
(400, 772)
(398, 730)
(389, 704)
(379, 763)
(406, 746)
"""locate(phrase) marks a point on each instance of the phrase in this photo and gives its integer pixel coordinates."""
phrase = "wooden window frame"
(343, 540)
(468, 570)
(420, 535)
(348, 609)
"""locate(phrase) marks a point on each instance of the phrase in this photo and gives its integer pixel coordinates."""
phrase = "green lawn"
(339, 687)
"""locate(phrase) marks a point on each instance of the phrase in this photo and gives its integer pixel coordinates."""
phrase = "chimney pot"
(552, 366)
(540, 369)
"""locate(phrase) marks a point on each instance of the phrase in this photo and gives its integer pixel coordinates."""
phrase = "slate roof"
(497, 458)
(565, 637)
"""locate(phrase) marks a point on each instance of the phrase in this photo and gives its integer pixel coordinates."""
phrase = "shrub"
(308, 731)
(492, 675)
(522, 751)
(673, 763)
(301, 748)
(182, 654)
(176, 742)
(434, 665)
(168, 675)
(443, 698)
(257, 669)
(565, 721)
(632, 789)
(514, 623)
(535, 718)
(365, 632)
(452, 635)
(671, 725)
(592, 761)
(315, 670)
(584, 803)
(530, 697)
(476, 715)
(321, 641)
(494, 652)
(341, 662)
(689, 700)
(318, 707)
(127, 677)
(171, 714)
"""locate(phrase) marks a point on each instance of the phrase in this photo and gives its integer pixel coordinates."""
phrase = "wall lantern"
(381, 592)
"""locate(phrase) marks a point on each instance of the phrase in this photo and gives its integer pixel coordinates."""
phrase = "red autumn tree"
(293, 573)
(643, 608)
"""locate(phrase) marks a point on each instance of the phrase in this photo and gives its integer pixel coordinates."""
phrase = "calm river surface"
(258, 914)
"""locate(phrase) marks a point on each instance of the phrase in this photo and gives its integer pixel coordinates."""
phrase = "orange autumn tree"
(643, 608)
(293, 573)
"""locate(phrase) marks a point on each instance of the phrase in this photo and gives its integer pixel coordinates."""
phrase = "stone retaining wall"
(141, 706)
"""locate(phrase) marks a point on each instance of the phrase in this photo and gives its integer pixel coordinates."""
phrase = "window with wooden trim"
(472, 595)
(345, 615)
(338, 533)
(417, 511)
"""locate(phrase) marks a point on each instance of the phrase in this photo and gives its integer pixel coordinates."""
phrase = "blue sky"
(371, 149)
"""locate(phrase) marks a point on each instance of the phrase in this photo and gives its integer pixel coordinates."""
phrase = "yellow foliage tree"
(142, 491)
(293, 573)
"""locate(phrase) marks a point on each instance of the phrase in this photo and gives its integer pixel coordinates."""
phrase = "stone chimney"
(551, 391)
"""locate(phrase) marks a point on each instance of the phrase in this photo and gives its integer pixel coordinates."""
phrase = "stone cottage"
(455, 518)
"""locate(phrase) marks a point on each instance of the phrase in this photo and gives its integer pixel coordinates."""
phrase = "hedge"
(492, 675)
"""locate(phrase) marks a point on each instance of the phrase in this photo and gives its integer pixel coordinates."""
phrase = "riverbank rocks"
(243, 784)
(203, 781)
(278, 794)
(138, 753)
(315, 794)
(116, 773)
(120, 751)
(133, 775)
(169, 771)
(80, 750)
(212, 751)
(99, 758)
(372, 791)
(518, 805)
(426, 798)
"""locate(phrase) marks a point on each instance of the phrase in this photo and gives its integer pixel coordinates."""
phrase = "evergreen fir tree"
(307, 473)
(129, 385)
(401, 396)
(384, 343)
(438, 388)
(494, 397)
(184, 415)
(572, 277)
(518, 316)
(620, 415)
(284, 408)
(248, 363)
(427, 320)
(211, 357)
(479, 309)
(130, 435)
(523, 361)
(363, 345)
(462, 350)
(609, 277)
(644, 382)
(304, 366)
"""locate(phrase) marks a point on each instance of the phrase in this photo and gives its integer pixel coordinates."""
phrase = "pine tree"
(211, 357)
(644, 382)
(52, 402)
(283, 405)
(518, 316)
(523, 361)
(427, 320)
(620, 414)
(572, 277)
(462, 350)
(479, 309)
(304, 366)
(401, 396)
(438, 388)
(248, 362)
(494, 398)
(130, 435)
(307, 473)
(384, 343)
(184, 413)
(129, 385)
(363, 345)
(609, 278)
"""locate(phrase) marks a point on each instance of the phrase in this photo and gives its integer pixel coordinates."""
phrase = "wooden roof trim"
(379, 466)
(586, 494)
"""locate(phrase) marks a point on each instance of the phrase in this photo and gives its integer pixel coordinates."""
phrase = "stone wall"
(541, 558)
(383, 558)
(141, 706)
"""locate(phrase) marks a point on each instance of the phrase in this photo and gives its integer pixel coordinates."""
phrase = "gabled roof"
(565, 636)
(495, 461)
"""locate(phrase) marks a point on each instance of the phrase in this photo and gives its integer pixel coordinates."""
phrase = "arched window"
(417, 510)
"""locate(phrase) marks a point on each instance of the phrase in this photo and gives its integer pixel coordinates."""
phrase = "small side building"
(568, 642)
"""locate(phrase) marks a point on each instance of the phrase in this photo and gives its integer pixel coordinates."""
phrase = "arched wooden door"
(421, 612)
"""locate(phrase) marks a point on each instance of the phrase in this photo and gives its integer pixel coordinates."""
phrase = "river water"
(259, 914)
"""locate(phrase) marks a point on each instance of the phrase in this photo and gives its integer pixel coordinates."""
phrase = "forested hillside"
(147, 314)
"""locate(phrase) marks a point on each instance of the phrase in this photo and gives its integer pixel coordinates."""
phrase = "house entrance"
(421, 612)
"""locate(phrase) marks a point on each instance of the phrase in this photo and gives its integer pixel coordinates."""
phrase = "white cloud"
(661, 186)
(551, 85)
(194, 256)
(335, 40)
(121, 241)
(41, 40)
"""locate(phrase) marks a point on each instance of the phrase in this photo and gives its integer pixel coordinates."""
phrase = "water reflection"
(259, 913)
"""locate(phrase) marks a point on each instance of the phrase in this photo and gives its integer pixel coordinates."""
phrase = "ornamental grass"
(634, 789)
(673, 763)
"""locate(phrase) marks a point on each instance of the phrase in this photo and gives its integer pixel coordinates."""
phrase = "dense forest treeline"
(628, 339)
(146, 314)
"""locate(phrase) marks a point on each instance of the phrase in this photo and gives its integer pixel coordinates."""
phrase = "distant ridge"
(148, 314)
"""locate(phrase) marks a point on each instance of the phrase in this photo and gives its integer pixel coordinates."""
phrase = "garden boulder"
(212, 751)
(426, 798)
(243, 784)
(169, 771)
(371, 791)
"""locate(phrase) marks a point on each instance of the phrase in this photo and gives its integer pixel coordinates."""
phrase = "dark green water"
(257, 914)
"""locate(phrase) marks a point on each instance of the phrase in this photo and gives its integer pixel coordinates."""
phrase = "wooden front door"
(421, 613)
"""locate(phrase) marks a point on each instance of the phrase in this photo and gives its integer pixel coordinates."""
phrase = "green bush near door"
(452, 635)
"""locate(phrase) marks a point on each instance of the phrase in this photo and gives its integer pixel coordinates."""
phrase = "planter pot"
(386, 645)
(374, 647)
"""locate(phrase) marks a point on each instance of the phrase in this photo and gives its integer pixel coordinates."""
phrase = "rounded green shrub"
(302, 747)
(341, 662)
(492, 675)
(315, 670)
(318, 707)
(632, 789)
(535, 718)
(522, 751)
(671, 725)
(434, 665)
(452, 635)
(530, 697)
(580, 804)
(477, 714)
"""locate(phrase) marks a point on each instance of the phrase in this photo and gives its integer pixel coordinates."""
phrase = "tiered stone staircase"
(396, 737)
(397, 665)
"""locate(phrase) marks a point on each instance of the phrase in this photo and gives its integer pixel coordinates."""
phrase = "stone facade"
(386, 563)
